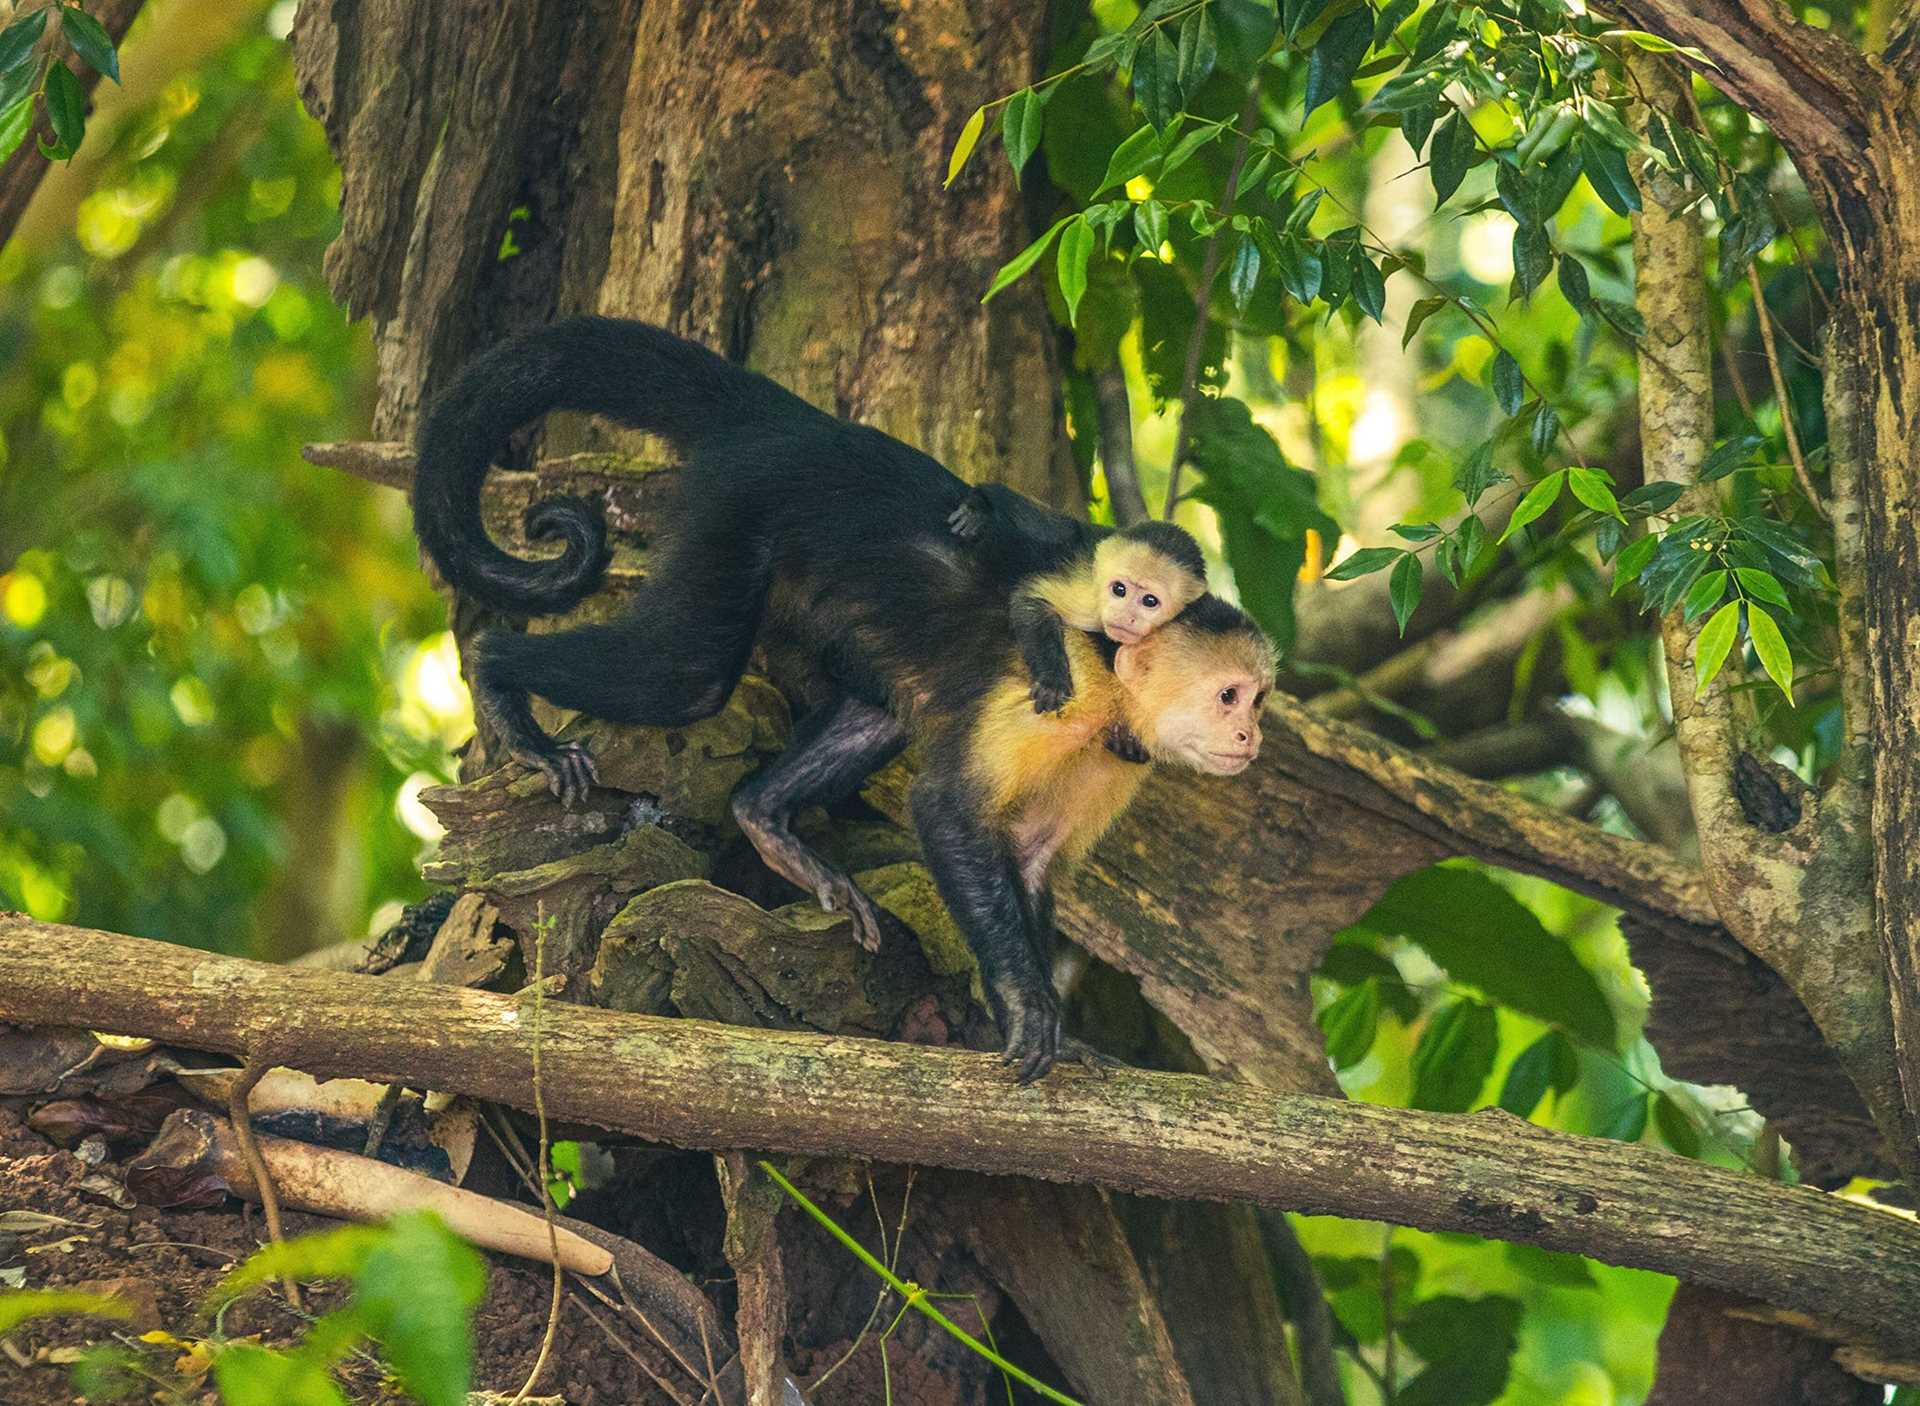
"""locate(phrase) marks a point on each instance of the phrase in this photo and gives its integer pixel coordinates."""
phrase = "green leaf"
(1156, 79)
(1626, 1121)
(90, 41)
(1487, 938)
(1477, 474)
(1713, 644)
(1632, 561)
(1369, 285)
(1027, 257)
(15, 123)
(1594, 489)
(1532, 259)
(1468, 1345)
(1130, 158)
(1451, 156)
(1761, 585)
(21, 1305)
(66, 107)
(1199, 49)
(1509, 384)
(1302, 212)
(418, 1290)
(1676, 1128)
(1020, 129)
(17, 39)
(1654, 44)
(256, 1376)
(1705, 594)
(1454, 1057)
(328, 1254)
(1416, 531)
(1543, 1065)
(1076, 250)
(1546, 425)
(1607, 173)
(1574, 286)
(1335, 58)
(1296, 15)
(1351, 963)
(1300, 269)
(1243, 274)
(1350, 1024)
(1418, 314)
(1415, 89)
(1654, 497)
(1539, 498)
(1392, 17)
(1403, 589)
(969, 138)
(1150, 225)
(1771, 646)
(1365, 562)
(1187, 145)
(1551, 1267)
(1736, 453)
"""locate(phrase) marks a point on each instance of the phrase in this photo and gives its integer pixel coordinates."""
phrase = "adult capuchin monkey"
(834, 538)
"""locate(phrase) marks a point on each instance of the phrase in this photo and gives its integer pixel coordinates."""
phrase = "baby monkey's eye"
(1227, 695)
(1120, 588)
(1260, 698)
(1150, 601)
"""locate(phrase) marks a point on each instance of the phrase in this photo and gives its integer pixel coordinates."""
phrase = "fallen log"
(701, 1085)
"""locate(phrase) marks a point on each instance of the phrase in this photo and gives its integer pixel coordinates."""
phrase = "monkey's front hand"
(1029, 1016)
(966, 521)
(1052, 687)
(568, 767)
(1124, 744)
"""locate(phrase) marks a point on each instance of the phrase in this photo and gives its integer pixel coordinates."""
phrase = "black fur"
(825, 535)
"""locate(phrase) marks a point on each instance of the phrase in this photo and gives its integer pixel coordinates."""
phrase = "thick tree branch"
(696, 1084)
(1794, 888)
(1809, 85)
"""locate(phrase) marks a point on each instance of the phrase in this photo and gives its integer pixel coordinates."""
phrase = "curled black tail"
(638, 374)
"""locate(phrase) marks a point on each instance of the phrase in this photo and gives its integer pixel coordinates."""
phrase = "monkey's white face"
(1131, 608)
(1204, 718)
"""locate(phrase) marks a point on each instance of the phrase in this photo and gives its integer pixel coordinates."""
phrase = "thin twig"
(544, 1165)
(1203, 302)
(1387, 1367)
(1780, 391)
(1738, 382)
(639, 1361)
(382, 1120)
(256, 1067)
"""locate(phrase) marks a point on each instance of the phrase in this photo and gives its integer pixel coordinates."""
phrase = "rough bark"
(1849, 124)
(1707, 1353)
(696, 1084)
(1186, 893)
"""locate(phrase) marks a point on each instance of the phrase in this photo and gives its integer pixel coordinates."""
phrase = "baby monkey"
(1123, 584)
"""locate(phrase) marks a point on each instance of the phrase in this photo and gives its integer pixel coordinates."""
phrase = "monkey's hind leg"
(836, 747)
(980, 881)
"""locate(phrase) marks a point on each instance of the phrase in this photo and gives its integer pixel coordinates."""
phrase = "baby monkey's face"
(1140, 590)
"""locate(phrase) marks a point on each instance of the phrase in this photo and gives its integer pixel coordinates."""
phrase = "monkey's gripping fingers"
(1124, 744)
(966, 520)
(1031, 1020)
(1080, 1052)
(840, 894)
(1049, 697)
(569, 770)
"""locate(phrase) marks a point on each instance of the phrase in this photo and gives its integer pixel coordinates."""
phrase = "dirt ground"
(166, 1262)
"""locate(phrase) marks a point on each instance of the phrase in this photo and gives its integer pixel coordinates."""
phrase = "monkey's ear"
(1130, 663)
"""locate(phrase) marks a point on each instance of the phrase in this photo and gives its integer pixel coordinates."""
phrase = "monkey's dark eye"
(1260, 698)
(1227, 695)
(1120, 588)
(1150, 601)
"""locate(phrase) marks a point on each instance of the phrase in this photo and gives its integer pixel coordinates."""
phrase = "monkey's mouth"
(1230, 763)
(1121, 634)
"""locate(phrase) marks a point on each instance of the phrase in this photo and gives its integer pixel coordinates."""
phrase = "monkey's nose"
(1242, 737)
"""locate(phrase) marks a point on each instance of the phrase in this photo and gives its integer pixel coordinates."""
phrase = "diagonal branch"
(1850, 1269)
(1809, 85)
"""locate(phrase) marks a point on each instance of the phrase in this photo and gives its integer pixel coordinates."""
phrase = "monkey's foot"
(569, 770)
(1080, 1052)
(966, 521)
(1032, 1023)
(1121, 741)
(841, 895)
(1048, 699)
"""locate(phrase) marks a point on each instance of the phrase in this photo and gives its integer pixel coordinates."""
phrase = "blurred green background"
(215, 659)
